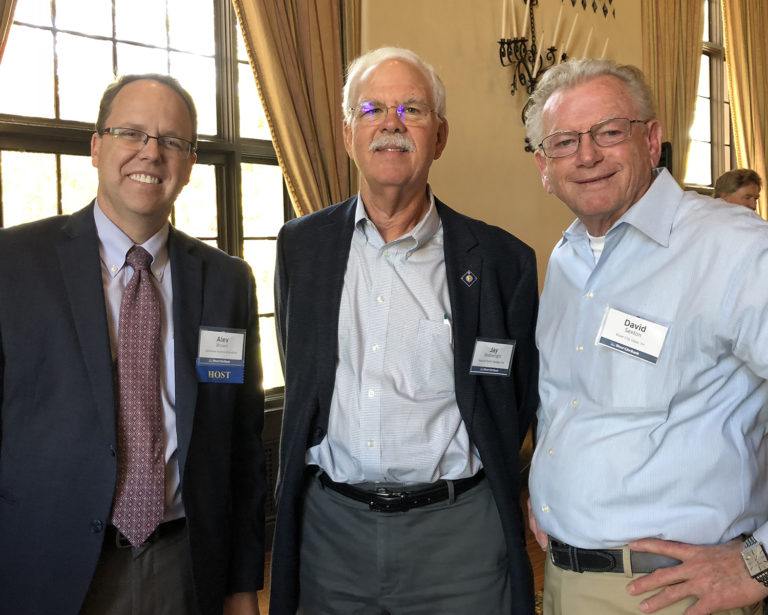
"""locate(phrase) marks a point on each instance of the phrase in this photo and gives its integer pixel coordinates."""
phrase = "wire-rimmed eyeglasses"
(374, 112)
(605, 134)
(136, 139)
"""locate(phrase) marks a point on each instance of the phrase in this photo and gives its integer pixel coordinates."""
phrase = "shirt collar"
(652, 215)
(114, 245)
(419, 234)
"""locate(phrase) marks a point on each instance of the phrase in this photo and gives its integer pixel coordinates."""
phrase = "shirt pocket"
(432, 361)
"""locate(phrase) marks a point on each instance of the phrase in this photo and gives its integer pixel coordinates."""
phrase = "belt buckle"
(384, 500)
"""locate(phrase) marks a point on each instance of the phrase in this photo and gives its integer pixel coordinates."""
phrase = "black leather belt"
(604, 560)
(392, 500)
(115, 537)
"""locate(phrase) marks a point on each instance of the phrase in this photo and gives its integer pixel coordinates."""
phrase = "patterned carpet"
(538, 602)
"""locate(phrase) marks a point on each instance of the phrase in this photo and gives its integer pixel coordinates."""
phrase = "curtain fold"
(6, 19)
(745, 26)
(297, 53)
(671, 58)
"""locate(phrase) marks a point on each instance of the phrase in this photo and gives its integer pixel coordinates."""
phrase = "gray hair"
(730, 181)
(575, 72)
(368, 60)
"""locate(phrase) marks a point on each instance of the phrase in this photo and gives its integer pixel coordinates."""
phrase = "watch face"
(756, 561)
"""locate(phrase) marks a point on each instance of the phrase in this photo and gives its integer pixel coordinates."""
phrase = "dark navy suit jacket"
(58, 461)
(502, 303)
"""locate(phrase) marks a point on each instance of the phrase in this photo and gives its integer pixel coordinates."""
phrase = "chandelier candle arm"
(526, 17)
(589, 40)
(567, 45)
(557, 27)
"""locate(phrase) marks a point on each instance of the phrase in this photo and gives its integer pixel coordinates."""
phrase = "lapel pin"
(469, 278)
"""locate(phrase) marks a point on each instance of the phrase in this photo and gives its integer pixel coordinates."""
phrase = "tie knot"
(138, 258)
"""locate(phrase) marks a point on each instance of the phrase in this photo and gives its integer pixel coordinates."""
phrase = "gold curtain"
(6, 19)
(671, 57)
(745, 25)
(298, 52)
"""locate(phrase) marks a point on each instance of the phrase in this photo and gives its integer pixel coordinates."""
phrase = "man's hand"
(242, 603)
(541, 537)
(714, 575)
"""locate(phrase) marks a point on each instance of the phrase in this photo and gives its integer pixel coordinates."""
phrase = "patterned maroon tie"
(140, 494)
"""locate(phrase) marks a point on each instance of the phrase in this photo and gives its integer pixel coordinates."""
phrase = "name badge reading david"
(221, 355)
(631, 335)
(492, 357)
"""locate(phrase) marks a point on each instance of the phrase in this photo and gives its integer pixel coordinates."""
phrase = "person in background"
(649, 483)
(132, 475)
(740, 187)
(406, 332)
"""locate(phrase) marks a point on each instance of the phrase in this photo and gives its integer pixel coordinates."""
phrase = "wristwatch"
(755, 559)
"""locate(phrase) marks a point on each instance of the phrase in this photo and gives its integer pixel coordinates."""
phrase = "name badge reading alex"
(631, 335)
(492, 357)
(221, 355)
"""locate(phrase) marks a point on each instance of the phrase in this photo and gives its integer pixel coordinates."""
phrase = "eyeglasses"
(606, 133)
(374, 112)
(136, 139)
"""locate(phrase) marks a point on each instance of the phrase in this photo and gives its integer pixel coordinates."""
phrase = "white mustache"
(393, 141)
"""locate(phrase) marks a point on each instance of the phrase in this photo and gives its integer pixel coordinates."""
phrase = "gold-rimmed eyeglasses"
(605, 134)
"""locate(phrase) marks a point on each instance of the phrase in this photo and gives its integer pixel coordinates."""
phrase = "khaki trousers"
(603, 593)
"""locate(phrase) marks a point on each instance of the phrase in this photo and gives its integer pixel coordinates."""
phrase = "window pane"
(28, 185)
(242, 53)
(142, 21)
(702, 128)
(704, 88)
(699, 164)
(705, 33)
(270, 359)
(195, 35)
(79, 181)
(36, 12)
(198, 76)
(26, 73)
(195, 209)
(138, 59)
(253, 122)
(86, 16)
(260, 255)
(80, 89)
(262, 196)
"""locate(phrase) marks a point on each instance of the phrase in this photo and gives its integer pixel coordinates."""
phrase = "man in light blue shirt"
(651, 455)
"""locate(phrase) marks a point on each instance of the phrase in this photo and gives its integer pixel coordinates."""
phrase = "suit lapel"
(187, 282)
(80, 262)
(334, 237)
(461, 261)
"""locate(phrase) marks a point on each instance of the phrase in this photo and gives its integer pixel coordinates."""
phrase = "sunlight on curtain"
(745, 23)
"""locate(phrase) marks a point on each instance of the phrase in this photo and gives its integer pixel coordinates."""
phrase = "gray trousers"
(154, 579)
(448, 558)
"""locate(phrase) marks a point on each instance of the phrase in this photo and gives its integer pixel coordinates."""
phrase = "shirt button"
(371, 443)
(545, 508)
(371, 393)
(380, 299)
(551, 452)
(575, 403)
(114, 268)
(580, 348)
(590, 295)
(375, 347)
(386, 253)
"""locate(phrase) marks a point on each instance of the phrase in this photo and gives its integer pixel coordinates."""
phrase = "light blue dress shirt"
(628, 449)
(394, 416)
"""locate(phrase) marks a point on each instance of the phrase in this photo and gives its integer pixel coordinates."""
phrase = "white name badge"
(631, 335)
(492, 357)
(221, 355)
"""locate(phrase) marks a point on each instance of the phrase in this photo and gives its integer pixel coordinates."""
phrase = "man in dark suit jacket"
(59, 449)
(407, 336)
